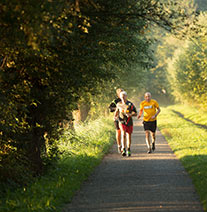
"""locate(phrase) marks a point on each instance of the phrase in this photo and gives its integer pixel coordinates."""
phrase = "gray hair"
(123, 93)
(147, 93)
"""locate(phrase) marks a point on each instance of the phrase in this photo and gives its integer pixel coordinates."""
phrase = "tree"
(166, 42)
(189, 66)
(55, 53)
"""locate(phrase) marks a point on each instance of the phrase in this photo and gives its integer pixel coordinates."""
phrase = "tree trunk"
(37, 144)
(81, 114)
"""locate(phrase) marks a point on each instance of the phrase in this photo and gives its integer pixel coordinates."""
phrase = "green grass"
(83, 151)
(184, 128)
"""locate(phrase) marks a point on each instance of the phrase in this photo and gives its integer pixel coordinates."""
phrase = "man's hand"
(140, 113)
(153, 117)
(128, 115)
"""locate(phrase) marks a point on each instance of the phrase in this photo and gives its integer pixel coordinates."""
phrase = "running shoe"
(123, 152)
(128, 152)
(149, 151)
(153, 146)
(119, 149)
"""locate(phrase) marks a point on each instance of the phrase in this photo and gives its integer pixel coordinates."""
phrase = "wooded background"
(61, 60)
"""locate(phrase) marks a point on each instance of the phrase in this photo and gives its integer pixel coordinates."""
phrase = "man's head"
(147, 96)
(118, 91)
(123, 96)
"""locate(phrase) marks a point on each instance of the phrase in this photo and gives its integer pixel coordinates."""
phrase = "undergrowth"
(82, 150)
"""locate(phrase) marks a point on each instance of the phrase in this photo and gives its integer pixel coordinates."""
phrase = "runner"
(124, 112)
(112, 108)
(151, 110)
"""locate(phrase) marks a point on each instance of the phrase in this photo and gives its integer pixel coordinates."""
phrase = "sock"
(148, 143)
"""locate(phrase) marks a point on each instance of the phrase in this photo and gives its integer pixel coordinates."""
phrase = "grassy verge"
(184, 128)
(82, 152)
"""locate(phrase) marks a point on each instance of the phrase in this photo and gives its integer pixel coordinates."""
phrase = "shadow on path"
(182, 116)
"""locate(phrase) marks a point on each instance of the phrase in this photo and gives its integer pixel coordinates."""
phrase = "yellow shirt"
(149, 109)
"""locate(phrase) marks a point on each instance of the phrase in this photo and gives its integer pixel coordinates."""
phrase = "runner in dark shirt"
(112, 108)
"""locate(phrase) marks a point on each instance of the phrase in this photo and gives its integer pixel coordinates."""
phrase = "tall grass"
(82, 151)
(184, 127)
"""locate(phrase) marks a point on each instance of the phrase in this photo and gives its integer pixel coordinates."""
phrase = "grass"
(184, 127)
(83, 151)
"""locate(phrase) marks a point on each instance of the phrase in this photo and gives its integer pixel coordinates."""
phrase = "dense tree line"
(188, 66)
(54, 54)
(180, 60)
(165, 76)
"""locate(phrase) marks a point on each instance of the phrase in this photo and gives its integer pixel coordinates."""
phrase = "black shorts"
(150, 125)
(116, 123)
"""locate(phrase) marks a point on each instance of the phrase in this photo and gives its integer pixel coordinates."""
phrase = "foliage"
(165, 43)
(54, 53)
(188, 67)
(164, 48)
(165, 79)
(83, 150)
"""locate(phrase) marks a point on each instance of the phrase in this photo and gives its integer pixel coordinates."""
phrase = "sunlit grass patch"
(195, 114)
(82, 152)
(184, 129)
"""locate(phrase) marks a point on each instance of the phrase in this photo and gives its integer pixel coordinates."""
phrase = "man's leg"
(153, 130)
(118, 139)
(118, 135)
(129, 140)
(147, 138)
(153, 140)
(123, 139)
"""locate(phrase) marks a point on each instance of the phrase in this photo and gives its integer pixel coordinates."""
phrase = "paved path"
(143, 182)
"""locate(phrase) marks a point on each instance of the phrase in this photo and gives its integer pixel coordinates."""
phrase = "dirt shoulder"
(143, 182)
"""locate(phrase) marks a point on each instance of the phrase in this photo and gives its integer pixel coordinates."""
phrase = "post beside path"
(143, 182)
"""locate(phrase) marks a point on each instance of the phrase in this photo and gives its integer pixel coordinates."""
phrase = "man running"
(124, 112)
(151, 110)
(112, 108)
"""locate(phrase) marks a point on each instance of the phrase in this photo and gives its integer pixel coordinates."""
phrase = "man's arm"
(116, 113)
(112, 106)
(140, 113)
(134, 111)
(156, 114)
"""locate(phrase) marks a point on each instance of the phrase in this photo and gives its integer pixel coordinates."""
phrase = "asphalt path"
(143, 182)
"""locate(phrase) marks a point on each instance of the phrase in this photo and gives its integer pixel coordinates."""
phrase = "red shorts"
(128, 129)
